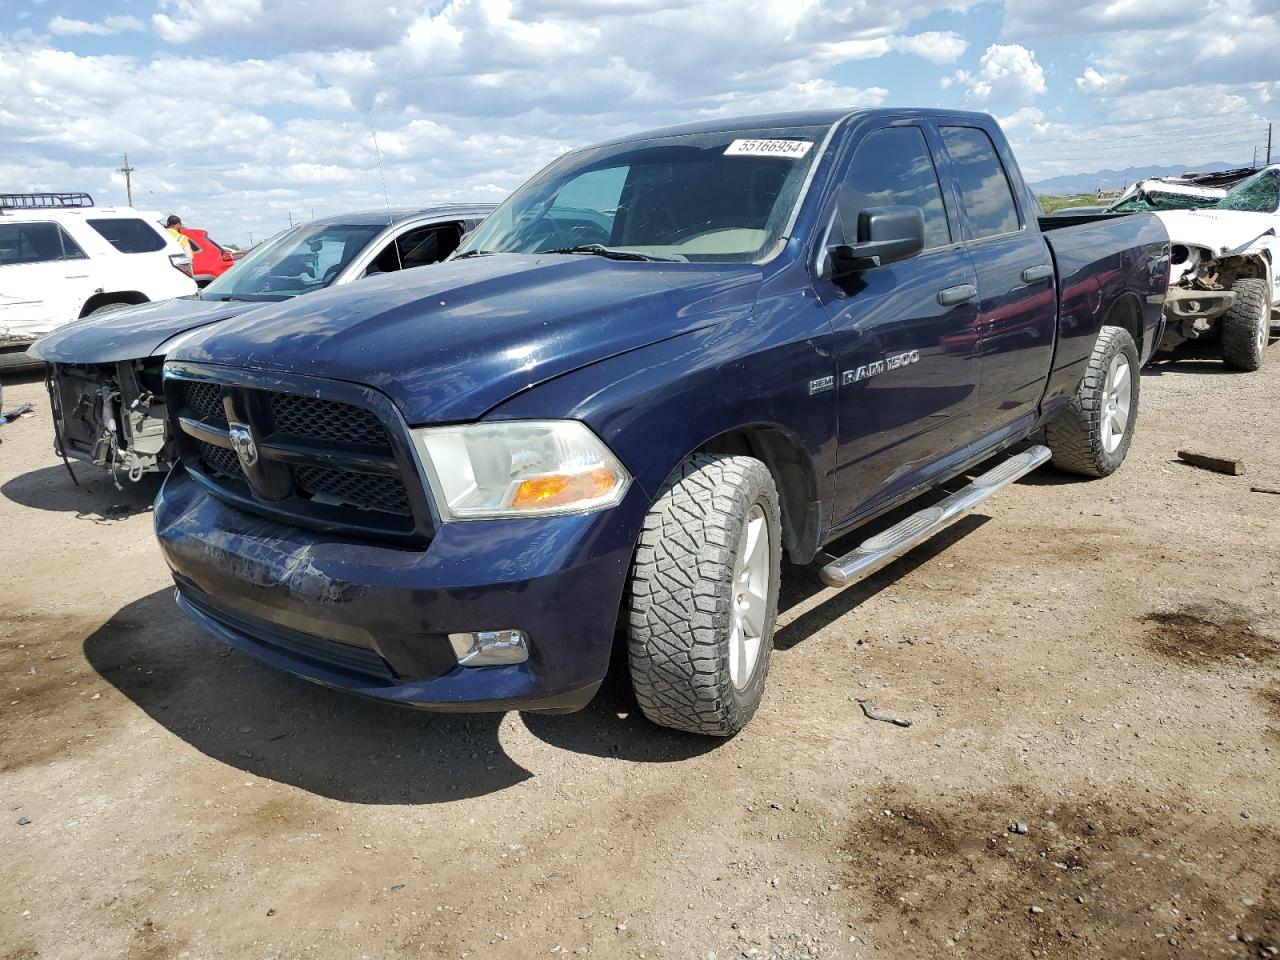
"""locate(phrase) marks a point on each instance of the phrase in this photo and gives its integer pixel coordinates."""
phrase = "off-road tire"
(678, 612)
(1246, 326)
(1075, 434)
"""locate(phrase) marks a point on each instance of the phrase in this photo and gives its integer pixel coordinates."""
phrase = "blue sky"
(239, 114)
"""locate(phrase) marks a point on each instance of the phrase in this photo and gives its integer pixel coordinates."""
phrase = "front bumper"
(374, 619)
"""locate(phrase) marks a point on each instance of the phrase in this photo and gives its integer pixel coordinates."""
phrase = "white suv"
(62, 258)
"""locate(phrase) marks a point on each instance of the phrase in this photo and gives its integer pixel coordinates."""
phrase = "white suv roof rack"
(44, 201)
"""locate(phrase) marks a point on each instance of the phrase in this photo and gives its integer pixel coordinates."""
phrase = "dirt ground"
(1092, 671)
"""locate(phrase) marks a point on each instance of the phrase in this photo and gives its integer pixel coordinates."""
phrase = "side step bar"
(884, 548)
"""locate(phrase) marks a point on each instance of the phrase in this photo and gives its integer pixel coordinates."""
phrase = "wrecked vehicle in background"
(1223, 280)
(1190, 191)
(104, 372)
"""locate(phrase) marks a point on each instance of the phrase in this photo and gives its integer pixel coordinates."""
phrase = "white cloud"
(1091, 81)
(1156, 44)
(62, 26)
(238, 112)
(936, 47)
(1008, 75)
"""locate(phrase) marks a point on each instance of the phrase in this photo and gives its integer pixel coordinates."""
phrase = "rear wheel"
(703, 595)
(1092, 434)
(1247, 325)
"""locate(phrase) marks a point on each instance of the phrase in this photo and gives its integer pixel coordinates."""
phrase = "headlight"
(519, 468)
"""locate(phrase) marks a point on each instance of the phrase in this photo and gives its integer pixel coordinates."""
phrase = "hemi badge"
(821, 385)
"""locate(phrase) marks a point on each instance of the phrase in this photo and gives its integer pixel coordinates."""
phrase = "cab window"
(985, 193)
(417, 248)
(892, 167)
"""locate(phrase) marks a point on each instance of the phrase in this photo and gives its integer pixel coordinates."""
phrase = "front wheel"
(1091, 435)
(1246, 326)
(703, 595)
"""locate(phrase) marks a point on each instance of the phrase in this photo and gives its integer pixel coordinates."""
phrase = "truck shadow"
(269, 724)
(96, 498)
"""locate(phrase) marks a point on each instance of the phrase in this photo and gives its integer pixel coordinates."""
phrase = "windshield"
(308, 257)
(702, 197)
(1259, 194)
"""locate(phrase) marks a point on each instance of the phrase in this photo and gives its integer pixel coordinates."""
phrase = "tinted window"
(36, 243)
(984, 188)
(129, 236)
(892, 168)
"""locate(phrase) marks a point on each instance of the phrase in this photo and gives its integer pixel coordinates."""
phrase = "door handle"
(76, 276)
(963, 293)
(1041, 271)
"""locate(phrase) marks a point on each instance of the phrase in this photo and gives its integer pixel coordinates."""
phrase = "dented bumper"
(374, 619)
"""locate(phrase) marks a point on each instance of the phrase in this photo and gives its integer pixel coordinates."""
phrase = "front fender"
(656, 405)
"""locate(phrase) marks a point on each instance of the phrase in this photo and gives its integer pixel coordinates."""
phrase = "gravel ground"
(1092, 670)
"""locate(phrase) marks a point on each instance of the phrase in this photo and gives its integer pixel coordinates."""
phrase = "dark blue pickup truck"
(662, 365)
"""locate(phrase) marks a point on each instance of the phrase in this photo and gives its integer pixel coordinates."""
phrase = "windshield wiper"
(600, 250)
(473, 253)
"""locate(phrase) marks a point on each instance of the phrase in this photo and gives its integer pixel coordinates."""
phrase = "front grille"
(364, 490)
(205, 401)
(319, 419)
(326, 461)
(220, 461)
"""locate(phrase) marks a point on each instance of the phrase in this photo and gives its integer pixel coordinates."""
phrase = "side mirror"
(885, 235)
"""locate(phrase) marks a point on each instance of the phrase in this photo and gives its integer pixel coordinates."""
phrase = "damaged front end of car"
(113, 415)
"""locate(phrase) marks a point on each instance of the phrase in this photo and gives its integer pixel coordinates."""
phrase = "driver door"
(905, 332)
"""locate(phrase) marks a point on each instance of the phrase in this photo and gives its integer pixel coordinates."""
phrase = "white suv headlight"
(519, 468)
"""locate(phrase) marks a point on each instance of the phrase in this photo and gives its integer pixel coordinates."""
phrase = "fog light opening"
(488, 648)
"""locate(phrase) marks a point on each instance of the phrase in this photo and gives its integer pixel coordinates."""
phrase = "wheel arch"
(131, 297)
(793, 474)
(1126, 313)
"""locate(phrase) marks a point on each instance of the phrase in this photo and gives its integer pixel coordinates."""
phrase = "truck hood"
(1224, 232)
(132, 333)
(450, 342)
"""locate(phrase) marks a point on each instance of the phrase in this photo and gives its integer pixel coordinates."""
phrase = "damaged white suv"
(1223, 277)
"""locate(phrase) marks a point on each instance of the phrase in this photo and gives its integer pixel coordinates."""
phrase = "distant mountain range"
(1117, 179)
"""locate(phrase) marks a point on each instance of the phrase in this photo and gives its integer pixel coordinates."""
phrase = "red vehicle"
(209, 261)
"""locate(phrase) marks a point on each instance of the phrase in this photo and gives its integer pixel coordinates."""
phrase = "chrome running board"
(884, 548)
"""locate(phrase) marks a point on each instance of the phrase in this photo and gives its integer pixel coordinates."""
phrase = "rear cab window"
(129, 235)
(985, 194)
(36, 243)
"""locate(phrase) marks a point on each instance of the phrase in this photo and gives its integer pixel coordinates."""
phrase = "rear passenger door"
(1017, 312)
(44, 277)
(904, 332)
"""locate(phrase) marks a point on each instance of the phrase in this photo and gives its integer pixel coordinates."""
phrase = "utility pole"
(1268, 144)
(128, 178)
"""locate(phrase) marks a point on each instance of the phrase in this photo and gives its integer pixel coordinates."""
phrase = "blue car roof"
(801, 118)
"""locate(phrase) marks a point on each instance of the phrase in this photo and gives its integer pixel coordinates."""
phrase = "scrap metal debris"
(1206, 461)
(869, 709)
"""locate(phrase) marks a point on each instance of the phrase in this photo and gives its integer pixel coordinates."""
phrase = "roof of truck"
(802, 118)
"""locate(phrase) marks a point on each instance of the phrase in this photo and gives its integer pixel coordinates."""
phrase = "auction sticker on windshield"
(768, 148)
